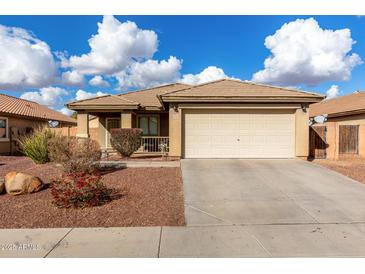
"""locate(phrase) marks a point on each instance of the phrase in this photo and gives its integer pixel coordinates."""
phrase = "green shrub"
(79, 190)
(126, 140)
(35, 145)
(75, 154)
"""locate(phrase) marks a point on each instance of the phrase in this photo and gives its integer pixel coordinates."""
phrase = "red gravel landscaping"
(149, 197)
(353, 167)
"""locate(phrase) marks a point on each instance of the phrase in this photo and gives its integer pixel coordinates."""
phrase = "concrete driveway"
(269, 192)
(288, 207)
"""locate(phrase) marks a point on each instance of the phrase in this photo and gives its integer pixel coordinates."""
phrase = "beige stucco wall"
(102, 131)
(176, 120)
(20, 124)
(126, 119)
(301, 133)
(94, 123)
(332, 135)
(82, 125)
(175, 131)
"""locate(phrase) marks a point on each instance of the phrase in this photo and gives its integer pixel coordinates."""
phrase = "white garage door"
(239, 133)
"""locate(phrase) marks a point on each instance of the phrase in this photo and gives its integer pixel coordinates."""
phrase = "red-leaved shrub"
(79, 190)
(126, 140)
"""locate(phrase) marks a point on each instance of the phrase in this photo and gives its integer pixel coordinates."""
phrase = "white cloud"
(304, 53)
(332, 92)
(66, 111)
(150, 73)
(72, 78)
(98, 81)
(114, 47)
(25, 61)
(82, 95)
(49, 96)
(210, 73)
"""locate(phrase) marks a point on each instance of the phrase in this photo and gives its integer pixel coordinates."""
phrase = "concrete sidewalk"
(279, 240)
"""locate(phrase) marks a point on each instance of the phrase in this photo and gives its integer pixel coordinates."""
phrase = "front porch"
(155, 127)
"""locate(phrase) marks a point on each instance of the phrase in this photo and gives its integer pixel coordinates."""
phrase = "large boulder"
(17, 183)
(2, 185)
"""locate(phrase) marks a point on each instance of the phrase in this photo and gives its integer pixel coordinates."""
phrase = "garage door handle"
(238, 140)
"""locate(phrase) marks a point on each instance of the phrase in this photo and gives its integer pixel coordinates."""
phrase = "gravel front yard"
(351, 167)
(153, 197)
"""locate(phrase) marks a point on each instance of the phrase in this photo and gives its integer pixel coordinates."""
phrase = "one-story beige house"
(220, 119)
(343, 134)
(19, 116)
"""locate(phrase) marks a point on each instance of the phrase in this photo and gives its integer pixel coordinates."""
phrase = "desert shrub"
(35, 145)
(126, 140)
(79, 190)
(74, 155)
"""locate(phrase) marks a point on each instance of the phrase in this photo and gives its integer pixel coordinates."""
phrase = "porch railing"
(154, 144)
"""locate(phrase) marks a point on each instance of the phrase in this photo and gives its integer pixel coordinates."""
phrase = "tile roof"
(354, 102)
(231, 89)
(16, 106)
(146, 98)
(224, 90)
(110, 100)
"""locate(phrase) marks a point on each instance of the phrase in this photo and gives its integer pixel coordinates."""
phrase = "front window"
(149, 124)
(3, 128)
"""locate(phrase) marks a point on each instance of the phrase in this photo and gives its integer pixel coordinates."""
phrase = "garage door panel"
(239, 134)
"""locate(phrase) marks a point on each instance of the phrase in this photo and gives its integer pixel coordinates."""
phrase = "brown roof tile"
(110, 100)
(235, 89)
(146, 98)
(354, 102)
(16, 106)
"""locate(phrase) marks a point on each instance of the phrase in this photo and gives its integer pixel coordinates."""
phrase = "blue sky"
(232, 45)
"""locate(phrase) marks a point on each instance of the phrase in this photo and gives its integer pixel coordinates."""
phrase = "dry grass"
(353, 167)
(154, 197)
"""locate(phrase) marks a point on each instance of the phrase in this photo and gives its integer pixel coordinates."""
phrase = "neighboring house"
(344, 132)
(220, 119)
(18, 116)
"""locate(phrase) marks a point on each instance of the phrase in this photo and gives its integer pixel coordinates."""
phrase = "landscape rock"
(17, 183)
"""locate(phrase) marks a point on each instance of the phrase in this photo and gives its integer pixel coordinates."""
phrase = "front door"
(110, 124)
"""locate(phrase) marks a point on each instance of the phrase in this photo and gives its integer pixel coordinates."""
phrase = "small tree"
(74, 154)
(126, 140)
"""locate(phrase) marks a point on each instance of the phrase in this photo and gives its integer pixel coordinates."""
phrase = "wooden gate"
(348, 139)
(317, 142)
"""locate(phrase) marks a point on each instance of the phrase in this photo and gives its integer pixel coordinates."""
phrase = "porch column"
(82, 125)
(175, 117)
(301, 133)
(126, 119)
(102, 132)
